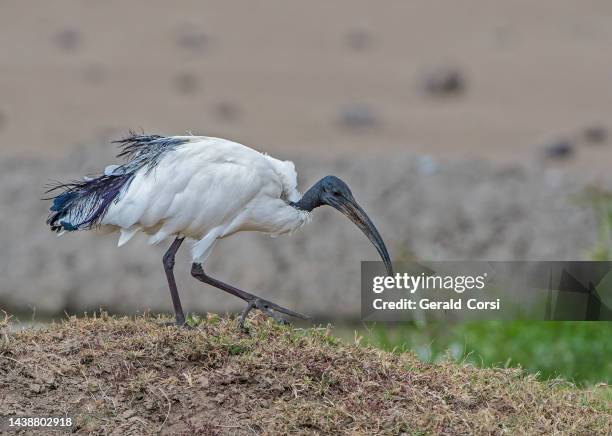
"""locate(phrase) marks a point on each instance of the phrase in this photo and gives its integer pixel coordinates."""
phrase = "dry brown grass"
(135, 376)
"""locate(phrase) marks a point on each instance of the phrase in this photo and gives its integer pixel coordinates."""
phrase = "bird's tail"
(82, 205)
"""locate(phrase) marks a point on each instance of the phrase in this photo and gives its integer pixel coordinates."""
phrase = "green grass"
(577, 351)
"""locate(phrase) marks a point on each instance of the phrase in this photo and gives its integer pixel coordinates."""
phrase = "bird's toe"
(268, 308)
(280, 309)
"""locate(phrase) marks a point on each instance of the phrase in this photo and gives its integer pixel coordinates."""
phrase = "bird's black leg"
(169, 268)
(253, 301)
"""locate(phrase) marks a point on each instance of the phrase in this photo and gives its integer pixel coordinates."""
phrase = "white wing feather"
(206, 189)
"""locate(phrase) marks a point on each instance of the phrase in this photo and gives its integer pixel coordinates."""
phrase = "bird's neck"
(310, 200)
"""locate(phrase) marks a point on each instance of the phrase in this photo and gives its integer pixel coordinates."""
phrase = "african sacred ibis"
(201, 189)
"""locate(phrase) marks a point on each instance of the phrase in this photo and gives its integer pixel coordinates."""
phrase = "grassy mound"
(128, 376)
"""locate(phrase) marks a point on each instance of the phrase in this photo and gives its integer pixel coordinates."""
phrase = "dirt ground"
(125, 376)
(314, 77)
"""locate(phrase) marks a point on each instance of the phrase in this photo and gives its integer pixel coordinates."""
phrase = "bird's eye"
(336, 193)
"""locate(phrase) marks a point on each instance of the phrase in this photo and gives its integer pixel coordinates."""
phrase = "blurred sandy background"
(466, 129)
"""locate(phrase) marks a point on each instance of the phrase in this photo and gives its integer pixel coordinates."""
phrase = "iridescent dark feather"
(145, 150)
(81, 205)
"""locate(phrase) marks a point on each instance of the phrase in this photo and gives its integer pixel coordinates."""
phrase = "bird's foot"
(268, 308)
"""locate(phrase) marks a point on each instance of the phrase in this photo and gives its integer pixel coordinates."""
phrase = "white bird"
(201, 189)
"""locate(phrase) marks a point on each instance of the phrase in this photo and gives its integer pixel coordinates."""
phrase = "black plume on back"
(81, 205)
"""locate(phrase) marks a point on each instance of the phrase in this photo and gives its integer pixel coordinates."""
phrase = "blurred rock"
(186, 83)
(68, 39)
(560, 149)
(443, 81)
(193, 39)
(359, 40)
(357, 116)
(227, 111)
(595, 134)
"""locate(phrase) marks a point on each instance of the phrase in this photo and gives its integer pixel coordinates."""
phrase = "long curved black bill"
(356, 214)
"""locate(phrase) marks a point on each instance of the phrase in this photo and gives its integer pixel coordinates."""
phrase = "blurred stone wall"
(422, 207)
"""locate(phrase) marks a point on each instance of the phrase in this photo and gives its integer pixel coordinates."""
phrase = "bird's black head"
(332, 191)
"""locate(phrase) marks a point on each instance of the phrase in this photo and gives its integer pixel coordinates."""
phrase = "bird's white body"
(206, 189)
(201, 189)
